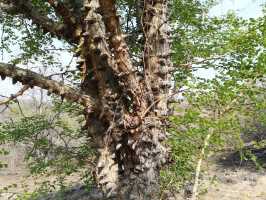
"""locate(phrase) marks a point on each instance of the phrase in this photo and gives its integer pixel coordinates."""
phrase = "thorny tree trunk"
(126, 107)
(131, 150)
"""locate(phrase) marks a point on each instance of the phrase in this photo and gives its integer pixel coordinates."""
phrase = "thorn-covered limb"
(120, 48)
(28, 10)
(71, 21)
(31, 78)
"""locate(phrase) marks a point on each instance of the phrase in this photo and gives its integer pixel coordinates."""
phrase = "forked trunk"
(129, 130)
(125, 102)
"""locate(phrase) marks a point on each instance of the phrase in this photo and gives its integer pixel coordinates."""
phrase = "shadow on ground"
(78, 192)
(249, 158)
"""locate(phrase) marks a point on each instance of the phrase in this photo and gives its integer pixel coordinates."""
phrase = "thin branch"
(62, 73)
(20, 109)
(58, 49)
(189, 65)
(4, 109)
(27, 77)
(167, 97)
(198, 168)
(3, 96)
(2, 42)
(15, 96)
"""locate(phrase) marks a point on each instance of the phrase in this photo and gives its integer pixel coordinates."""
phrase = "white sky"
(244, 8)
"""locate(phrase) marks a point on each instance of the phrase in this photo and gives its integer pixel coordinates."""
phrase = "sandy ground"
(228, 178)
(219, 184)
(234, 184)
(25, 183)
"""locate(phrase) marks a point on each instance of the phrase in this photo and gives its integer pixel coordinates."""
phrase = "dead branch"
(15, 96)
(198, 168)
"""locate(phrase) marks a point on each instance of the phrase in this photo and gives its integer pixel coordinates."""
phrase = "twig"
(189, 65)
(157, 101)
(58, 49)
(20, 109)
(4, 109)
(2, 42)
(61, 73)
(198, 168)
(14, 96)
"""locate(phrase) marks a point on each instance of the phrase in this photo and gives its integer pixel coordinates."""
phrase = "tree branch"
(68, 17)
(14, 96)
(27, 77)
(26, 8)
(157, 62)
(118, 43)
(203, 61)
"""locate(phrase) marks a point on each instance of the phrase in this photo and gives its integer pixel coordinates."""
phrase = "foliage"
(55, 145)
(232, 103)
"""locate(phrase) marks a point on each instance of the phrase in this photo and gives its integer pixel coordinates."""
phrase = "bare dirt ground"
(229, 178)
(20, 182)
(238, 184)
(16, 179)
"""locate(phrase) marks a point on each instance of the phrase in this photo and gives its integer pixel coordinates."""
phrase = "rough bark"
(27, 9)
(141, 177)
(72, 23)
(27, 77)
(128, 128)
(129, 162)
(125, 68)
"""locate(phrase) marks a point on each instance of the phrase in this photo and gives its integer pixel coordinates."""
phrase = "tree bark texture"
(125, 107)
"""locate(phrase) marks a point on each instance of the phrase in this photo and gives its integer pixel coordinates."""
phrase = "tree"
(224, 111)
(124, 85)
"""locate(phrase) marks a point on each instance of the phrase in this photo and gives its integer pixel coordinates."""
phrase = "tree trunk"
(140, 180)
(130, 147)
(128, 168)
(125, 105)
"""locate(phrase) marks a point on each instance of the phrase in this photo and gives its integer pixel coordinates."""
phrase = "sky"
(244, 8)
